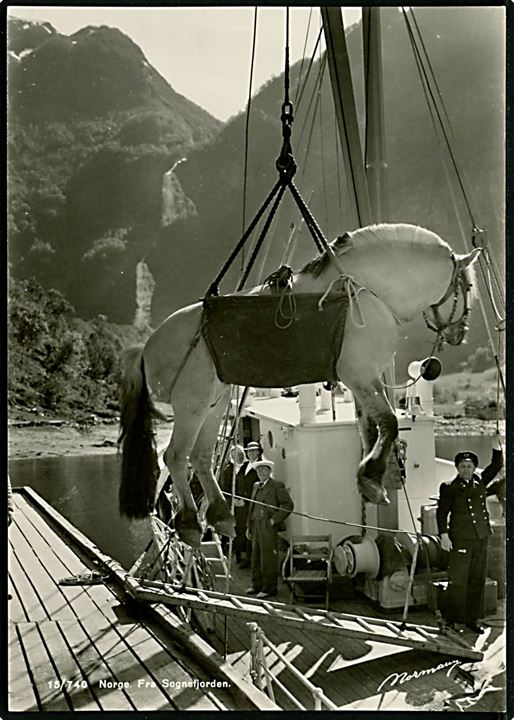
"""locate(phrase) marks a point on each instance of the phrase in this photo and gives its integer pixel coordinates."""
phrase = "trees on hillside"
(57, 363)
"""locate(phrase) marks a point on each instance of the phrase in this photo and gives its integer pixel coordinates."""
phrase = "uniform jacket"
(274, 493)
(465, 504)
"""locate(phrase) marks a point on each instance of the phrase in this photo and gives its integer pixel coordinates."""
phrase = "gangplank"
(421, 637)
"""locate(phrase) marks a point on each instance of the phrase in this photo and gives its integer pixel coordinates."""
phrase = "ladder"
(213, 554)
(421, 637)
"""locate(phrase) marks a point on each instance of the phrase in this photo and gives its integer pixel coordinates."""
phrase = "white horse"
(396, 272)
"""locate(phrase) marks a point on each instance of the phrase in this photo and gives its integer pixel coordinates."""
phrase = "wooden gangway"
(82, 647)
(421, 637)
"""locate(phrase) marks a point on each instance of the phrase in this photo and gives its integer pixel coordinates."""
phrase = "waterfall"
(145, 285)
(172, 197)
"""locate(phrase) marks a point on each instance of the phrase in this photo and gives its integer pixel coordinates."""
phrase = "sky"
(204, 53)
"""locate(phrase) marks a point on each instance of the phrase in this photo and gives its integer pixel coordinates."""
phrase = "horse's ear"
(463, 261)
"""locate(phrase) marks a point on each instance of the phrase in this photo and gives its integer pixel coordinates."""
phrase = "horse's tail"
(139, 465)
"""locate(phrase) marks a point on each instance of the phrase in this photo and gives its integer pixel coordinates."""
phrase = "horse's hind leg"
(218, 513)
(176, 457)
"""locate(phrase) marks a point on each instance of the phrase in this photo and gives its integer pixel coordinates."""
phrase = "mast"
(374, 152)
(346, 113)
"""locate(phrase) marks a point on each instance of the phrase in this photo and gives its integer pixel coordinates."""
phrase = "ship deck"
(369, 675)
(82, 647)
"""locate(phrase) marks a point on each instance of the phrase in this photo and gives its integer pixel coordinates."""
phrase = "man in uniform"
(466, 536)
(264, 522)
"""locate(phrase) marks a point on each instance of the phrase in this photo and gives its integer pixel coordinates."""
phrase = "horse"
(393, 273)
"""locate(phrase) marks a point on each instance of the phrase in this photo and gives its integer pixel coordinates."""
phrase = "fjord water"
(85, 490)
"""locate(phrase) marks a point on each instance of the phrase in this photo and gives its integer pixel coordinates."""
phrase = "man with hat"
(265, 521)
(465, 536)
(245, 481)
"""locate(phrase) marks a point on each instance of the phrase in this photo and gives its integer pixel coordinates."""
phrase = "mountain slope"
(88, 177)
(92, 129)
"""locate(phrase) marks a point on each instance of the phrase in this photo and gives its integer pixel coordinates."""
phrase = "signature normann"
(403, 677)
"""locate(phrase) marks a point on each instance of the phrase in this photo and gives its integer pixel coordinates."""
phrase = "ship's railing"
(261, 673)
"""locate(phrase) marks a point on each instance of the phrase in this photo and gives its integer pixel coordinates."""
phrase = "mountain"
(91, 145)
(92, 128)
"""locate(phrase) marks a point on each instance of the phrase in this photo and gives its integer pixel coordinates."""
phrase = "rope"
(419, 544)
(247, 125)
(192, 345)
(288, 318)
(323, 519)
(214, 289)
(300, 90)
(424, 78)
(317, 235)
(483, 260)
(259, 242)
(352, 289)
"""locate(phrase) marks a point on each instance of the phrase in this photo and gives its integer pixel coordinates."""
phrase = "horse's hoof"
(219, 517)
(188, 528)
(372, 491)
(226, 527)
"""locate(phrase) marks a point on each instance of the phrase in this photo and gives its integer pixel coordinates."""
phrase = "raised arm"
(495, 465)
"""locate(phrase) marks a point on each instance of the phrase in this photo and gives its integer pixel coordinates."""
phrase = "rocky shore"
(35, 436)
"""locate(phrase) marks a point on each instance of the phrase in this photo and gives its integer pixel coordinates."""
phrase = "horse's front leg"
(377, 413)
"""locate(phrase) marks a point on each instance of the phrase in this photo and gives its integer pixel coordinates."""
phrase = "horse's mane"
(374, 236)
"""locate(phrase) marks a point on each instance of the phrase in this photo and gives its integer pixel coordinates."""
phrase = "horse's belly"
(263, 342)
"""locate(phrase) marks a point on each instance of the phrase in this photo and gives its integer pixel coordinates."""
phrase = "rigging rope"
(425, 78)
(247, 124)
(466, 188)
(446, 130)
(304, 53)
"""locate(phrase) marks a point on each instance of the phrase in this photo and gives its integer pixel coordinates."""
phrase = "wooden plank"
(68, 669)
(51, 598)
(61, 561)
(94, 665)
(125, 648)
(32, 605)
(16, 611)
(22, 696)
(51, 693)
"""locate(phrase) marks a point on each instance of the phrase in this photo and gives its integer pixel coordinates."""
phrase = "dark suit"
(244, 483)
(469, 529)
(264, 533)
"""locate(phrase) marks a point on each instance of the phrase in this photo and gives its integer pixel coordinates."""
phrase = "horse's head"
(454, 326)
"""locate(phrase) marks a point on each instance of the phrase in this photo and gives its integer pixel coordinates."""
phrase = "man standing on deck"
(246, 479)
(265, 521)
(466, 537)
